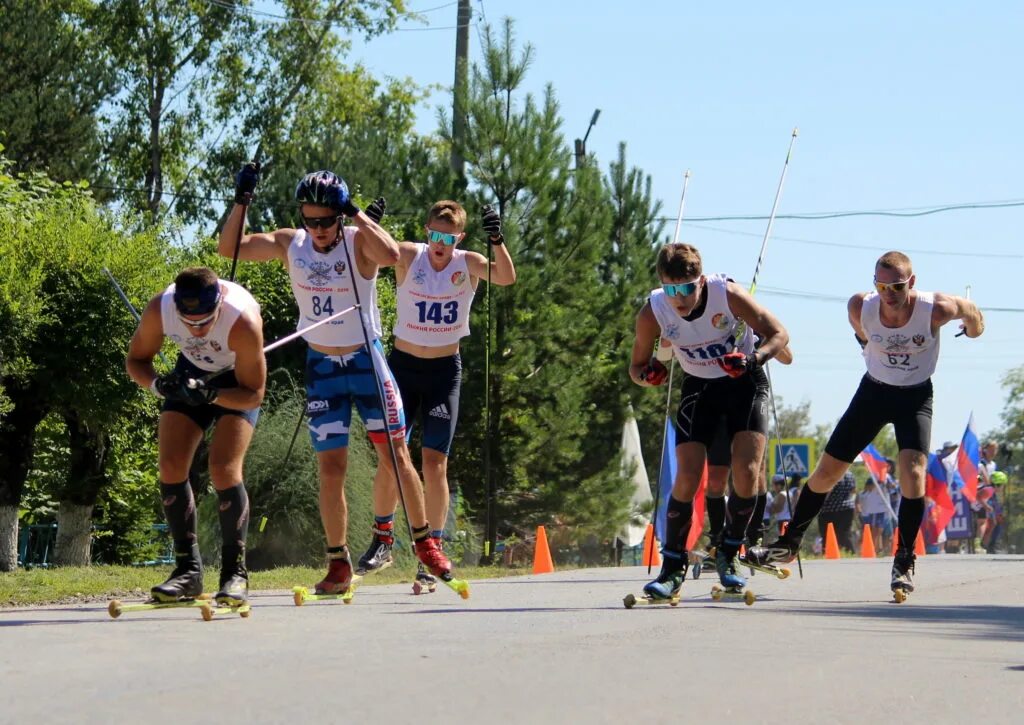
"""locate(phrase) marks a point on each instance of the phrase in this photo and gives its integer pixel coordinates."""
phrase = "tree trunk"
(74, 535)
(17, 438)
(8, 538)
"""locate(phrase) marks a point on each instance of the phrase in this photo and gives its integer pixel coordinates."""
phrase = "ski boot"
(433, 559)
(185, 582)
(378, 555)
(780, 551)
(424, 582)
(670, 580)
(234, 586)
(339, 576)
(725, 565)
(902, 583)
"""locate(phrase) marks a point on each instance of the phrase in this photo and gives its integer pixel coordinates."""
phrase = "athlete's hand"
(492, 224)
(246, 181)
(197, 392)
(737, 364)
(654, 373)
(170, 386)
(375, 209)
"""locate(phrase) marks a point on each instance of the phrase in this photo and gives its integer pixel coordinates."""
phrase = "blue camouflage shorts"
(334, 382)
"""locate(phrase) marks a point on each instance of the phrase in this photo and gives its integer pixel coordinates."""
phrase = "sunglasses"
(199, 323)
(683, 290)
(892, 286)
(443, 237)
(319, 222)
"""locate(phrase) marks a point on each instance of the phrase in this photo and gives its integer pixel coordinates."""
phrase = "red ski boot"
(428, 552)
(338, 579)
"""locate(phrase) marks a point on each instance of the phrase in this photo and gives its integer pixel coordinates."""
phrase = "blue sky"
(899, 105)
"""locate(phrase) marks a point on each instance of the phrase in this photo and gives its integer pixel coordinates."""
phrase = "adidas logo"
(440, 411)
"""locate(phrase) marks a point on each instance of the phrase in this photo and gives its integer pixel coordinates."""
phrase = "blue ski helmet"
(322, 188)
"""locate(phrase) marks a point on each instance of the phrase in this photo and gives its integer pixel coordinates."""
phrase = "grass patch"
(72, 585)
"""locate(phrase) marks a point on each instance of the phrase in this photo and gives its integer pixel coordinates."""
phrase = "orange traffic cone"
(831, 545)
(895, 541)
(919, 544)
(542, 563)
(867, 544)
(651, 555)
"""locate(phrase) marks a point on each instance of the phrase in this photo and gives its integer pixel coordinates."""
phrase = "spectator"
(986, 507)
(780, 510)
(873, 511)
(838, 509)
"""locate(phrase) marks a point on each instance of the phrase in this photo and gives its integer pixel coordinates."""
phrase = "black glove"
(736, 364)
(170, 386)
(492, 224)
(245, 182)
(197, 392)
(375, 209)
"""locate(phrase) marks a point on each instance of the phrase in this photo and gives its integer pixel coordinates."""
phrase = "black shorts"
(206, 415)
(874, 404)
(430, 393)
(720, 452)
(740, 404)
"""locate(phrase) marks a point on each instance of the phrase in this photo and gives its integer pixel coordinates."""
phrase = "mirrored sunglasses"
(442, 237)
(319, 222)
(683, 290)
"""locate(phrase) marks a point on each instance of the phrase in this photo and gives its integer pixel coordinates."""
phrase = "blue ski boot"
(670, 580)
(725, 564)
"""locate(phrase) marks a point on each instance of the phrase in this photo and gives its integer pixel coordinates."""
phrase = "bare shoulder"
(945, 307)
(247, 332)
(857, 301)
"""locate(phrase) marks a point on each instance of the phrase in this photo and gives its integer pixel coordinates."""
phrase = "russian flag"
(876, 464)
(666, 478)
(968, 459)
(937, 489)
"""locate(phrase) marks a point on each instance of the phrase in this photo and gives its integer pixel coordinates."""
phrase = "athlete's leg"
(435, 481)
(231, 438)
(748, 452)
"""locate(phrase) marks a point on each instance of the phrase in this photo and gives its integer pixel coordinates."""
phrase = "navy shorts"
(874, 405)
(708, 404)
(430, 390)
(206, 415)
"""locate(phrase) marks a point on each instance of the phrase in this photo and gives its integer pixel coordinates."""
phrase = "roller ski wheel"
(900, 595)
(720, 593)
(209, 610)
(423, 587)
(459, 586)
(115, 608)
(301, 595)
(646, 600)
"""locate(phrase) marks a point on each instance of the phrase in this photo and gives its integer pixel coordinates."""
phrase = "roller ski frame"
(210, 609)
(700, 561)
(780, 572)
(301, 595)
(632, 600)
(115, 608)
(720, 593)
(459, 586)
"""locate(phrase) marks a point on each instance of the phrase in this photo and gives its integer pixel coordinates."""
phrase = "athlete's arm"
(503, 271)
(950, 307)
(374, 246)
(406, 254)
(647, 331)
(145, 345)
(246, 341)
(254, 247)
(773, 335)
(785, 356)
(853, 309)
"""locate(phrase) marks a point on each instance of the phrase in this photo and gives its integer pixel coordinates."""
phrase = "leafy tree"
(54, 79)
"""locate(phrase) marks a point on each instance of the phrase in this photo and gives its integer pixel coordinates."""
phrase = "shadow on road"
(982, 621)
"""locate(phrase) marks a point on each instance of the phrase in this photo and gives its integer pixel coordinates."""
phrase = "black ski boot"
(378, 555)
(234, 581)
(185, 582)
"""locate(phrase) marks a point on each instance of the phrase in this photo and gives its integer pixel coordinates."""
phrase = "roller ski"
(780, 572)
(185, 581)
(780, 551)
(115, 608)
(209, 610)
(378, 556)
(664, 589)
(701, 561)
(425, 582)
(428, 551)
(338, 583)
(731, 585)
(902, 581)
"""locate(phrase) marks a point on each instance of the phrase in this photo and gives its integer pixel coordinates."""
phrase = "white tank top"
(322, 285)
(433, 306)
(698, 344)
(211, 351)
(905, 355)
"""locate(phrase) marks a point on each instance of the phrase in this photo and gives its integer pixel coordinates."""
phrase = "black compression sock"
(755, 527)
(180, 512)
(808, 504)
(716, 516)
(678, 517)
(233, 511)
(910, 516)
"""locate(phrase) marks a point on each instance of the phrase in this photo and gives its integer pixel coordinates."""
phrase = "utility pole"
(465, 15)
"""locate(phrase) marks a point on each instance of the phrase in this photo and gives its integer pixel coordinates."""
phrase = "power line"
(899, 212)
(847, 245)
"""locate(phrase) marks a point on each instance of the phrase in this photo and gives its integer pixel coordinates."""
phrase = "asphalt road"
(552, 648)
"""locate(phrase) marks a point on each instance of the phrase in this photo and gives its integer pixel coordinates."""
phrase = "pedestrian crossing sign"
(792, 456)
